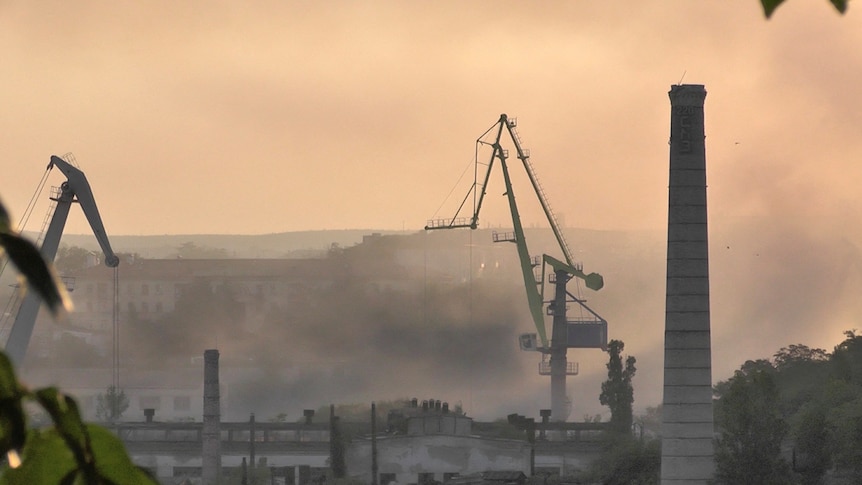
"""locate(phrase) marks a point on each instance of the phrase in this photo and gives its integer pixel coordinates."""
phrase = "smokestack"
(211, 433)
(687, 454)
(546, 416)
(309, 415)
(374, 467)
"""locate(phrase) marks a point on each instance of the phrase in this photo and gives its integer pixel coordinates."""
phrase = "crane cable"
(13, 299)
(115, 353)
(457, 182)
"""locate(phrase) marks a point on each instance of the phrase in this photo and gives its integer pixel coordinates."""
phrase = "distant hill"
(287, 244)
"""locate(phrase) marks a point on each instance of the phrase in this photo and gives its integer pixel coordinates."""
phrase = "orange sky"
(220, 117)
(210, 117)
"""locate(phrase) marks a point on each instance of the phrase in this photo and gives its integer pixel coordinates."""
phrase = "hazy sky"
(263, 117)
(221, 117)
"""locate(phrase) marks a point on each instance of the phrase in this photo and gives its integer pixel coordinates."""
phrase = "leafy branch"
(769, 6)
(70, 451)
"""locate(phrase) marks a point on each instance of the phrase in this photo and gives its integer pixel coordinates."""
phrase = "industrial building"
(433, 445)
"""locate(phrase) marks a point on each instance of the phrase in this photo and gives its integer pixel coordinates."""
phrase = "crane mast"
(76, 188)
(534, 289)
(566, 334)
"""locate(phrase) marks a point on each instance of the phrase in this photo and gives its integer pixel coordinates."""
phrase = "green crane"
(566, 334)
(534, 288)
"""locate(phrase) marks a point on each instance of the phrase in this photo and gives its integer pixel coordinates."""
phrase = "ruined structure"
(687, 420)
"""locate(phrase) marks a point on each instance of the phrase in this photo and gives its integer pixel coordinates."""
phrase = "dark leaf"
(44, 459)
(769, 6)
(13, 424)
(840, 5)
(70, 477)
(113, 464)
(67, 420)
(5, 221)
(40, 276)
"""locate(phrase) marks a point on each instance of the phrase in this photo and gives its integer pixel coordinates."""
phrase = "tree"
(847, 358)
(798, 354)
(751, 427)
(617, 391)
(190, 250)
(769, 6)
(627, 461)
(68, 451)
(71, 258)
(812, 456)
(111, 405)
(801, 372)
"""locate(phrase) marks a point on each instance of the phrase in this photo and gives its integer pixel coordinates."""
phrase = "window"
(182, 403)
(157, 288)
(145, 289)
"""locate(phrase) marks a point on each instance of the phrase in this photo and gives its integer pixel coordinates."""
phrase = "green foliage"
(279, 418)
(111, 405)
(626, 461)
(69, 451)
(650, 421)
(751, 427)
(190, 250)
(617, 391)
(798, 354)
(769, 6)
(71, 258)
(812, 457)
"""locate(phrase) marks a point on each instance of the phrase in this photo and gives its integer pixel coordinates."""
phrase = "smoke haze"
(203, 118)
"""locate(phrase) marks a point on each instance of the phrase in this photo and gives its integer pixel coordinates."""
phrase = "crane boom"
(534, 296)
(75, 189)
(593, 281)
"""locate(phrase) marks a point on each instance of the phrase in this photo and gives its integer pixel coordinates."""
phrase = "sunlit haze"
(267, 117)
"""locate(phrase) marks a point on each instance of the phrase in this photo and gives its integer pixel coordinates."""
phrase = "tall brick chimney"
(211, 434)
(687, 454)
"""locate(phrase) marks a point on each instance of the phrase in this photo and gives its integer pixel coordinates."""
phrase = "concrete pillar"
(374, 467)
(560, 407)
(211, 434)
(687, 419)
